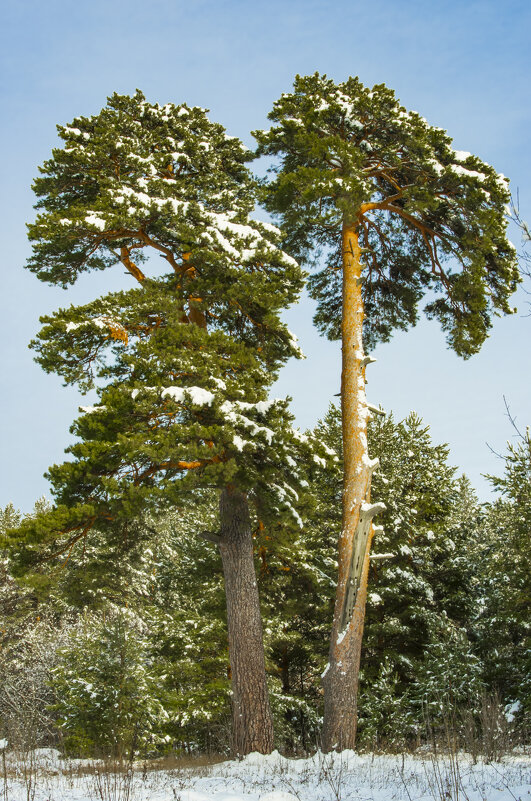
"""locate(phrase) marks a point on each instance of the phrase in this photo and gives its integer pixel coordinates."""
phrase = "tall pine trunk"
(341, 677)
(252, 725)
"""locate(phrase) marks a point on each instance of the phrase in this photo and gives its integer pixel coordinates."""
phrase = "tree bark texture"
(252, 725)
(341, 677)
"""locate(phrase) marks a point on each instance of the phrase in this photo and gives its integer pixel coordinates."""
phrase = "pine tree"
(181, 363)
(17, 602)
(361, 177)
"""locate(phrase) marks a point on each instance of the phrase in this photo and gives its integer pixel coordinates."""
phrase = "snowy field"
(338, 777)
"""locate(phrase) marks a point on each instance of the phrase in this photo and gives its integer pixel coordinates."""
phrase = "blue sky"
(462, 65)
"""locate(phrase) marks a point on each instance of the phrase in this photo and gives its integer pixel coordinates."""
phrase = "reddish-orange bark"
(131, 266)
(341, 677)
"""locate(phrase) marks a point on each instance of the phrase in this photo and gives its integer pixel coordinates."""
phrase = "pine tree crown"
(431, 219)
(182, 362)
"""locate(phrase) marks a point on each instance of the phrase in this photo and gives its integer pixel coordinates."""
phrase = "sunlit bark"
(342, 674)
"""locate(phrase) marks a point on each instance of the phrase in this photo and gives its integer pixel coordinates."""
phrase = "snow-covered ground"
(339, 777)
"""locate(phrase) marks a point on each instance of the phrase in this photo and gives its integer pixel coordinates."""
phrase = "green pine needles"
(430, 218)
(182, 362)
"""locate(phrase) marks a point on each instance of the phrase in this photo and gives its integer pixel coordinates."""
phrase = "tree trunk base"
(252, 725)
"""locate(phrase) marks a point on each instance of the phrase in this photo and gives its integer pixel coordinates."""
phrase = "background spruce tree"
(502, 617)
(398, 214)
(181, 364)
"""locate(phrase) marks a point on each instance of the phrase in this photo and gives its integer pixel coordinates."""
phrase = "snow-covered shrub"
(107, 691)
(29, 639)
(296, 719)
(28, 655)
(386, 720)
(448, 688)
(192, 648)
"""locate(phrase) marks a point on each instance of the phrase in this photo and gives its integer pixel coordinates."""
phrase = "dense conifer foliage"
(445, 635)
(504, 613)
(428, 216)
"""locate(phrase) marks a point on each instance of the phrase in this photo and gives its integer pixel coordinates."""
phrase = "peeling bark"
(252, 726)
(341, 678)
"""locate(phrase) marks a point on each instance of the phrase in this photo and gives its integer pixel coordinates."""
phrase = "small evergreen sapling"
(107, 693)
